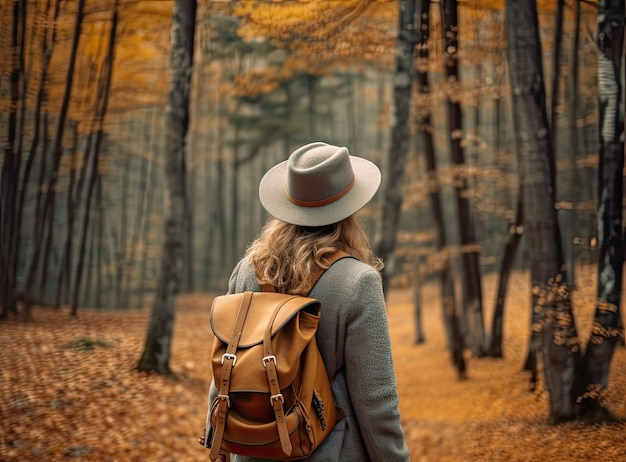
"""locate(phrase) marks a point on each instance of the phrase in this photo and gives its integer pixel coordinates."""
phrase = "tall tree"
(556, 69)
(516, 231)
(551, 298)
(455, 340)
(11, 164)
(156, 353)
(573, 146)
(402, 86)
(103, 101)
(48, 39)
(57, 152)
(607, 327)
(472, 284)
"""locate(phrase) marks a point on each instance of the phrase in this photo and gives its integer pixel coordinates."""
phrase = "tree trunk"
(150, 201)
(559, 343)
(47, 45)
(189, 234)
(311, 81)
(73, 197)
(141, 216)
(607, 328)
(554, 101)
(103, 101)
(101, 221)
(419, 336)
(121, 257)
(574, 185)
(556, 70)
(11, 168)
(91, 296)
(472, 284)
(510, 251)
(156, 353)
(424, 130)
(424, 126)
(392, 194)
(57, 152)
(234, 197)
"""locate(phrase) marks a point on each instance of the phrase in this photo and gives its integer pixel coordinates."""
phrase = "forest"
(134, 134)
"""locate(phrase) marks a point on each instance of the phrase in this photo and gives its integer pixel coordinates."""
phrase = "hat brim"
(273, 197)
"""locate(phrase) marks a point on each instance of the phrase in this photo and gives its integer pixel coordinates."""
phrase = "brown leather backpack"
(275, 399)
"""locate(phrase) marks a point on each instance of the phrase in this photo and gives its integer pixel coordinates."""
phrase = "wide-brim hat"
(318, 185)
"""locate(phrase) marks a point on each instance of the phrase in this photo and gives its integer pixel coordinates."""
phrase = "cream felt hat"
(318, 185)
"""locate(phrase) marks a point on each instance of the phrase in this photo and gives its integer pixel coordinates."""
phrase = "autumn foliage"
(70, 391)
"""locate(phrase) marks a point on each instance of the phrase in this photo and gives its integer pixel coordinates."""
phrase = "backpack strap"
(228, 362)
(338, 255)
(276, 398)
(269, 361)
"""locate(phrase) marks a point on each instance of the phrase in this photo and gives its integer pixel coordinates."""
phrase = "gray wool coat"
(353, 338)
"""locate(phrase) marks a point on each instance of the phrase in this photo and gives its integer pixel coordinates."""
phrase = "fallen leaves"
(69, 390)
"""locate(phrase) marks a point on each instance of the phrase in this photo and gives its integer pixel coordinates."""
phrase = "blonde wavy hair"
(285, 255)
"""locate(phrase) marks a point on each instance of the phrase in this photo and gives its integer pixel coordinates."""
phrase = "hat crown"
(317, 173)
(318, 185)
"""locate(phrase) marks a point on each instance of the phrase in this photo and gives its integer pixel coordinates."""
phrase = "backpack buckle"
(279, 397)
(226, 356)
(224, 398)
(267, 359)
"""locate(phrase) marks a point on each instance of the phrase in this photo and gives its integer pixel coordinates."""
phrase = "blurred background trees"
(424, 89)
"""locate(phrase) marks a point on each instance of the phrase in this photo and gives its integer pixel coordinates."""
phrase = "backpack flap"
(293, 337)
(225, 307)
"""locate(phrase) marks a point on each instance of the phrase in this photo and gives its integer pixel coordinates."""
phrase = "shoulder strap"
(228, 362)
(338, 255)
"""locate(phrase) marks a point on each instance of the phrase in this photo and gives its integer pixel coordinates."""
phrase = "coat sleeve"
(370, 372)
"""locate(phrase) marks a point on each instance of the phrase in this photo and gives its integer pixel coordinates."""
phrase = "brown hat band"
(322, 202)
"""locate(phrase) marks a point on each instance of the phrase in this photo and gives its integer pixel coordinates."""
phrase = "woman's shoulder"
(352, 267)
(351, 288)
(351, 276)
(243, 276)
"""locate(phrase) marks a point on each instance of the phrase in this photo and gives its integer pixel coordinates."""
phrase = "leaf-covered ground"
(69, 390)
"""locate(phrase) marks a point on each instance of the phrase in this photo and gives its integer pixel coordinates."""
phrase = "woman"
(313, 198)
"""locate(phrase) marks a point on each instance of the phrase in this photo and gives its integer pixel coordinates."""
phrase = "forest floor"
(69, 390)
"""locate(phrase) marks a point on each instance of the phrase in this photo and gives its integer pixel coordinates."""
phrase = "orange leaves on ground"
(69, 389)
(493, 416)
